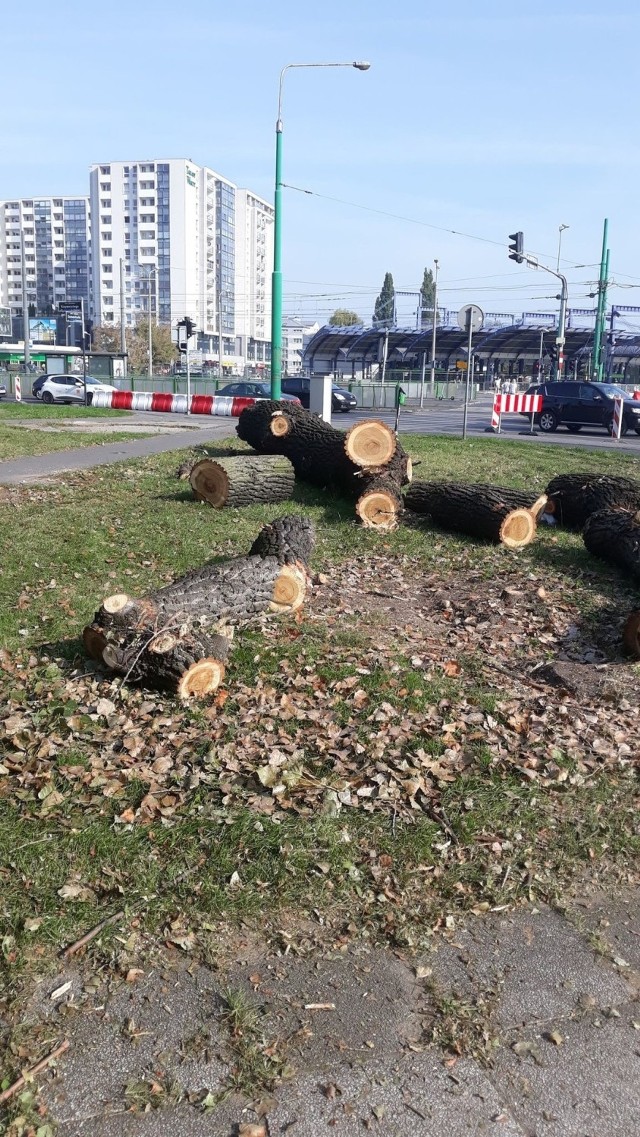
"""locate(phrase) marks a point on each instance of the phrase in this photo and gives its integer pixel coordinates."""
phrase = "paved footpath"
(38, 469)
(540, 1035)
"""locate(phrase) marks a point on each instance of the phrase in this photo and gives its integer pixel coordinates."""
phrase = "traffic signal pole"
(517, 253)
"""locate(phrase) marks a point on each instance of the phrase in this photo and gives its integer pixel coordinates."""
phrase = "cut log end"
(163, 643)
(518, 529)
(280, 425)
(540, 505)
(378, 510)
(370, 444)
(201, 679)
(112, 657)
(631, 634)
(210, 482)
(94, 641)
(114, 604)
(289, 589)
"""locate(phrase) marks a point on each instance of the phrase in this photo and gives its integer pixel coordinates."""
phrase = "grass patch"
(487, 836)
(9, 411)
(21, 442)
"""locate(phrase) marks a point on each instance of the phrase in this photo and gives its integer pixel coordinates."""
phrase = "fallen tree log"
(490, 512)
(177, 638)
(242, 480)
(631, 634)
(614, 535)
(574, 497)
(348, 462)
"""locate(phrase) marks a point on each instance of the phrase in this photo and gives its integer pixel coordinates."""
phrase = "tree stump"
(493, 513)
(176, 638)
(348, 462)
(614, 535)
(242, 480)
(574, 497)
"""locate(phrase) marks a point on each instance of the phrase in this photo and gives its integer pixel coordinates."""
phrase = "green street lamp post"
(276, 278)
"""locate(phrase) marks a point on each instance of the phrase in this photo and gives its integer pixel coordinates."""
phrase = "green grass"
(132, 526)
(10, 411)
(22, 442)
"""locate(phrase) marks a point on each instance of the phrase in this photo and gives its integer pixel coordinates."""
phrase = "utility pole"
(432, 380)
(84, 351)
(123, 319)
(220, 375)
(25, 307)
(600, 311)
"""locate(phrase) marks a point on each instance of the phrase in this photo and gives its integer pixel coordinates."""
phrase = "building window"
(106, 219)
(147, 185)
(149, 251)
(106, 236)
(107, 252)
(105, 202)
(147, 235)
(105, 169)
(105, 186)
(107, 268)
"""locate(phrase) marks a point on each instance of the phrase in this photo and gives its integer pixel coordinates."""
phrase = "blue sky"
(479, 118)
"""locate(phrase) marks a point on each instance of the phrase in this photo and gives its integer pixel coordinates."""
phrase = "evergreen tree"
(384, 310)
(427, 296)
(344, 318)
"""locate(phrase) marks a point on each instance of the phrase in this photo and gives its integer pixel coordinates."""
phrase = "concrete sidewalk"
(44, 466)
(519, 1024)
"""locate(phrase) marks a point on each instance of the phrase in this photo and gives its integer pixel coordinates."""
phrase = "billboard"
(5, 322)
(43, 329)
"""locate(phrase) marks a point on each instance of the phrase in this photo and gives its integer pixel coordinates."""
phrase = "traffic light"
(516, 247)
(190, 327)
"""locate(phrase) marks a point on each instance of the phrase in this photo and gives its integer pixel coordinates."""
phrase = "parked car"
(70, 388)
(575, 404)
(251, 390)
(3, 389)
(341, 399)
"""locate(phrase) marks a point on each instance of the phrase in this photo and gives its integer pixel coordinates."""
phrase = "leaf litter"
(391, 685)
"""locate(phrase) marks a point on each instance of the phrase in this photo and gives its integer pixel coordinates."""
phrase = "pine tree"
(428, 296)
(384, 310)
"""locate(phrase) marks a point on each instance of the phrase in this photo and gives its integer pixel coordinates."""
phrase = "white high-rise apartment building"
(169, 229)
(44, 253)
(254, 261)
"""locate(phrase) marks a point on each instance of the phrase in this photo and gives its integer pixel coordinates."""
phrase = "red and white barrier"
(17, 389)
(223, 405)
(618, 412)
(514, 404)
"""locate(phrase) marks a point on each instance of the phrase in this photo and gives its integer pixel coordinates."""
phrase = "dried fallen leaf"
(252, 1129)
(451, 668)
(60, 991)
(133, 974)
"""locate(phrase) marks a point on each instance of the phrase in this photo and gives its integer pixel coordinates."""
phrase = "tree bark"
(242, 480)
(574, 497)
(631, 634)
(489, 512)
(324, 456)
(614, 535)
(177, 638)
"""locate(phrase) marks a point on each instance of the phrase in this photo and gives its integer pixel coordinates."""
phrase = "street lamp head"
(561, 227)
(362, 65)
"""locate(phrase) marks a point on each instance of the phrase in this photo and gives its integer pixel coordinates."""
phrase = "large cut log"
(347, 462)
(177, 637)
(245, 479)
(614, 535)
(490, 512)
(380, 504)
(631, 634)
(574, 497)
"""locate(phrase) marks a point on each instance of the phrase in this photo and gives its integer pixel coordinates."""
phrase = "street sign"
(69, 307)
(473, 312)
(461, 364)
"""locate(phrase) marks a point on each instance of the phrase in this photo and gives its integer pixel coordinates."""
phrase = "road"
(446, 418)
(437, 418)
